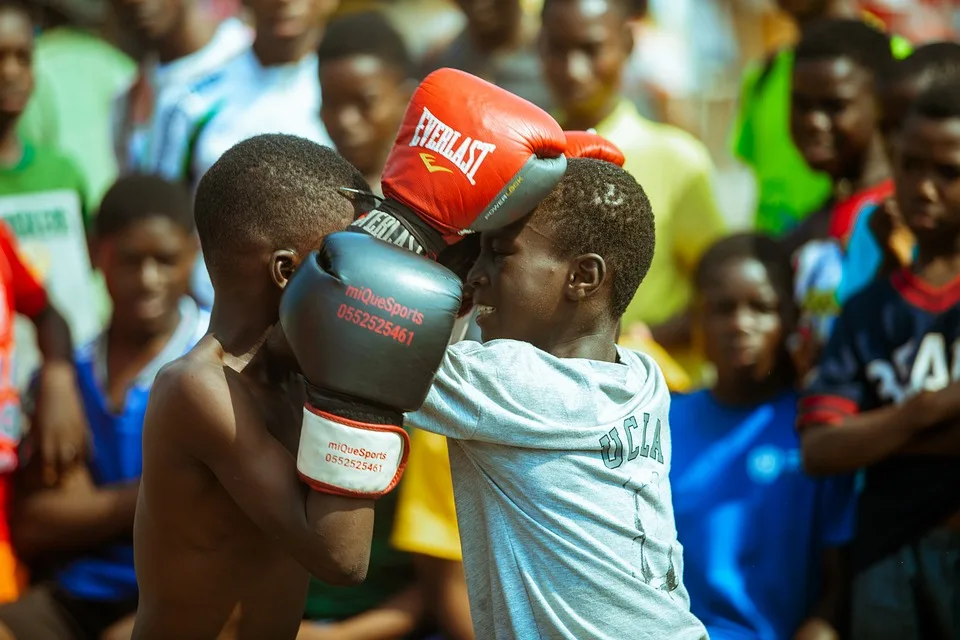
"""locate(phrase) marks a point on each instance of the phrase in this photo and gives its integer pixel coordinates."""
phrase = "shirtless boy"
(223, 522)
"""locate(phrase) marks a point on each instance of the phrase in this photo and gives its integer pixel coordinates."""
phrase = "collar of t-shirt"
(193, 324)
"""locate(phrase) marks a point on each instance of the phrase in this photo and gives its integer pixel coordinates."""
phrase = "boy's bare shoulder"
(192, 401)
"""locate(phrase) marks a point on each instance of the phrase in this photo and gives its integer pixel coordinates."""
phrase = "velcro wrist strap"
(348, 458)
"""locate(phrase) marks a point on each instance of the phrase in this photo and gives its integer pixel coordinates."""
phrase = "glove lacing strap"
(392, 222)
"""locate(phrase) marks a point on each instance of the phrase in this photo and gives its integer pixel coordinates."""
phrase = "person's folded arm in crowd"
(943, 439)
(72, 515)
(396, 617)
(59, 418)
(835, 436)
(445, 588)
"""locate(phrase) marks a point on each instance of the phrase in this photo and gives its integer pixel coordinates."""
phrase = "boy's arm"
(452, 407)
(834, 436)
(73, 515)
(823, 620)
(395, 617)
(445, 588)
(212, 418)
(835, 518)
(59, 416)
(944, 438)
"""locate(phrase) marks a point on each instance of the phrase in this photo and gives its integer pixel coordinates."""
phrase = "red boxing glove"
(469, 157)
(586, 144)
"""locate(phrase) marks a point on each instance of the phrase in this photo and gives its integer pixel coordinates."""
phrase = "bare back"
(202, 563)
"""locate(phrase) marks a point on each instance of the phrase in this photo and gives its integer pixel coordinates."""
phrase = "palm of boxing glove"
(587, 144)
(469, 157)
(368, 323)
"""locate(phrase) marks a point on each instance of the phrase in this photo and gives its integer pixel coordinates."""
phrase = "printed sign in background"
(49, 229)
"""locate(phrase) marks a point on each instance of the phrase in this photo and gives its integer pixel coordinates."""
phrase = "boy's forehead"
(931, 135)
(833, 70)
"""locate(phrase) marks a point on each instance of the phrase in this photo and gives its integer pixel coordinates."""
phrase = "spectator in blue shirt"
(145, 246)
(760, 538)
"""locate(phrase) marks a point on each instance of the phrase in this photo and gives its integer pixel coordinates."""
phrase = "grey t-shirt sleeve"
(452, 407)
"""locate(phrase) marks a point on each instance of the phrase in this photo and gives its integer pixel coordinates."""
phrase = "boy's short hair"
(24, 8)
(275, 188)
(368, 33)
(932, 62)
(939, 102)
(750, 246)
(138, 197)
(624, 8)
(600, 208)
(831, 39)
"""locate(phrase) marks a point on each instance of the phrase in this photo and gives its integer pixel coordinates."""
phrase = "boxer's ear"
(586, 277)
(282, 265)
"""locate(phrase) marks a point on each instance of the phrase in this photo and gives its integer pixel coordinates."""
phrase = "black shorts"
(47, 612)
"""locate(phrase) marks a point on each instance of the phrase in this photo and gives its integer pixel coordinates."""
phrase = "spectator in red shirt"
(59, 412)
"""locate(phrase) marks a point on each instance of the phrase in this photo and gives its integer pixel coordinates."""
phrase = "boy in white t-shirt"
(184, 46)
(559, 441)
(272, 87)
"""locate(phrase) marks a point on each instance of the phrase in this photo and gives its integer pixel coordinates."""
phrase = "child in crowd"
(789, 189)
(366, 83)
(674, 168)
(145, 247)
(834, 121)
(183, 46)
(34, 175)
(884, 398)
(835, 124)
(42, 199)
(880, 242)
(559, 440)
(760, 538)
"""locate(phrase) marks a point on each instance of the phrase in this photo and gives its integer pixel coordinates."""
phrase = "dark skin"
(886, 223)
(445, 588)
(745, 323)
(804, 11)
(834, 123)
(147, 270)
(928, 194)
(59, 418)
(364, 100)
(525, 290)
(492, 24)
(172, 28)
(287, 30)
(584, 46)
(225, 533)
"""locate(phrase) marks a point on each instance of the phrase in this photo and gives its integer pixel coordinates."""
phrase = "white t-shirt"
(561, 479)
(140, 145)
(276, 99)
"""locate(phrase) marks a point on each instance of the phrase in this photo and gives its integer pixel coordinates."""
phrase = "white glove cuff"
(347, 458)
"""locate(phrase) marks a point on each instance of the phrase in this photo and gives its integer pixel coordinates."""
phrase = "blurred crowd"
(780, 147)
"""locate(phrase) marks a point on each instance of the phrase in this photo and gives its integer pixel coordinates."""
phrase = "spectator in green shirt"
(78, 75)
(788, 189)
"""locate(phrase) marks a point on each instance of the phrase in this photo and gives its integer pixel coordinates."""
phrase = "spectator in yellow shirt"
(584, 46)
